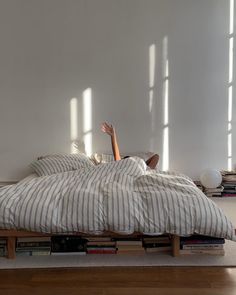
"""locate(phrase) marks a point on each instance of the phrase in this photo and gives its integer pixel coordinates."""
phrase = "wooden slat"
(20, 233)
(24, 233)
(11, 247)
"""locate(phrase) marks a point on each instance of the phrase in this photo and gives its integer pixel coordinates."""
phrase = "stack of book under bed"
(226, 189)
(100, 245)
(129, 247)
(158, 244)
(229, 183)
(68, 245)
(28, 246)
(214, 192)
(198, 244)
(3, 247)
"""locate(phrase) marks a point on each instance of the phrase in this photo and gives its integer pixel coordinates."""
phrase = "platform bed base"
(11, 236)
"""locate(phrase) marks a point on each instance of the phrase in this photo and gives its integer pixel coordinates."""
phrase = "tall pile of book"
(159, 244)
(101, 245)
(214, 192)
(198, 244)
(130, 246)
(27, 246)
(229, 183)
(3, 247)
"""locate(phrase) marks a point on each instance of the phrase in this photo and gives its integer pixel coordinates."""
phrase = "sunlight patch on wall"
(87, 120)
(231, 17)
(230, 83)
(73, 122)
(165, 153)
(150, 100)
(231, 47)
(165, 163)
(152, 65)
(166, 102)
(151, 83)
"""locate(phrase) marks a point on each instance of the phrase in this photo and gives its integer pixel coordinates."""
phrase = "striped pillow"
(53, 164)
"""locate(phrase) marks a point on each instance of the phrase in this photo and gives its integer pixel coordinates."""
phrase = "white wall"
(52, 50)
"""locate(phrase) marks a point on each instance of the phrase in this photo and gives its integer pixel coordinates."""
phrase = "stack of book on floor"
(214, 192)
(68, 245)
(100, 245)
(131, 246)
(229, 183)
(31, 246)
(198, 244)
(3, 247)
(159, 244)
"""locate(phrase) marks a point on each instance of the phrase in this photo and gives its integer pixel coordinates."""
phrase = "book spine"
(33, 244)
(23, 253)
(3, 251)
(186, 242)
(39, 253)
(146, 241)
(67, 253)
(228, 195)
(161, 249)
(129, 244)
(156, 245)
(203, 246)
(96, 251)
(21, 249)
(101, 245)
(198, 251)
(101, 248)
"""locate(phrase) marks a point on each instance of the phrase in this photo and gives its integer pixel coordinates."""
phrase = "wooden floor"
(122, 281)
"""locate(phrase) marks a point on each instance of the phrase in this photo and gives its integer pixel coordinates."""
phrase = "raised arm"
(110, 130)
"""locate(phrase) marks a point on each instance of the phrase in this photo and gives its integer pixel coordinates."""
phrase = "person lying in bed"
(110, 130)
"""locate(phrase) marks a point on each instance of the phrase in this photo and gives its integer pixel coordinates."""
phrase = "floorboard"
(122, 280)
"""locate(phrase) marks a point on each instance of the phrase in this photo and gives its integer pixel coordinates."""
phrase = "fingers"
(106, 128)
(106, 125)
(103, 128)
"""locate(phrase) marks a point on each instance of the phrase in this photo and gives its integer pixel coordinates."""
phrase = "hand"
(108, 129)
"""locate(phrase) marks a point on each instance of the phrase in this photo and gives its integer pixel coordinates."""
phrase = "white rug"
(227, 204)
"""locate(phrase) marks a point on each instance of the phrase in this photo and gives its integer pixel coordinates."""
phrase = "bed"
(122, 198)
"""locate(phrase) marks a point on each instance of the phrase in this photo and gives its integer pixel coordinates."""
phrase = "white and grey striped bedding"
(122, 197)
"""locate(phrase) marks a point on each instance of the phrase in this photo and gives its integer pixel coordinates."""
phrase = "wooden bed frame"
(11, 236)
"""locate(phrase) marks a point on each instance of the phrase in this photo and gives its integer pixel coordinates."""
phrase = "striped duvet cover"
(121, 197)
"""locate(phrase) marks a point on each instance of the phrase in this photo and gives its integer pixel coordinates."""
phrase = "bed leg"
(175, 245)
(11, 247)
